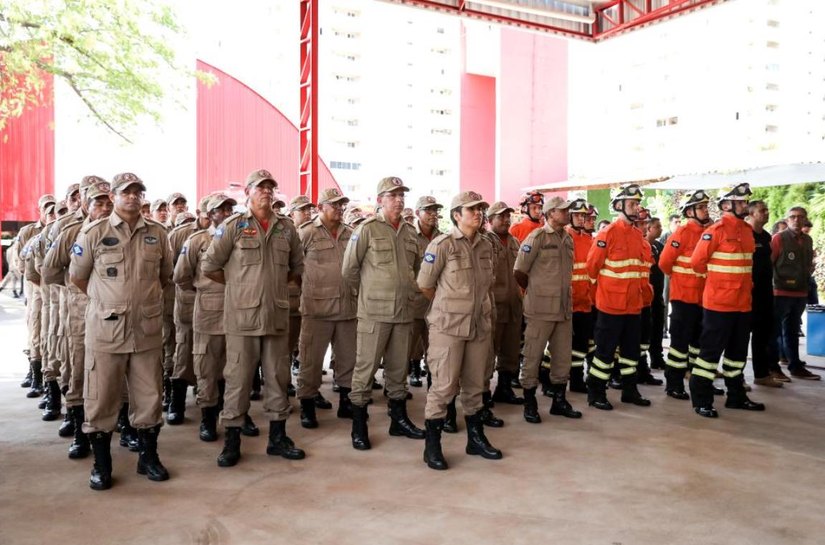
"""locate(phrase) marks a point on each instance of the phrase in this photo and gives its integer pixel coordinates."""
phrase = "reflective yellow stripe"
(599, 363)
(691, 272)
(577, 277)
(598, 374)
(580, 265)
(731, 363)
(706, 364)
(624, 371)
(676, 364)
(624, 262)
(673, 351)
(683, 259)
(545, 365)
(577, 363)
(612, 274)
(702, 373)
(693, 349)
(729, 256)
(577, 354)
(731, 374)
(626, 361)
(732, 270)
(644, 347)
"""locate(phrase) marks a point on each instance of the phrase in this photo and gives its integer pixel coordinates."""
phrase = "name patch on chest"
(111, 272)
(109, 241)
(249, 232)
(150, 240)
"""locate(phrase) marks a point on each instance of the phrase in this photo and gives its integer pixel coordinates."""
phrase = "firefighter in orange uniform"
(582, 301)
(725, 254)
(531, 204)
(643, 375)
(686, 287)
(617, 261)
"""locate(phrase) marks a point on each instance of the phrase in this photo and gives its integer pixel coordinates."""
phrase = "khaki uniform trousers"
(377, 340)
(209, 361)
(63, 338)
(104, 383)
(169, 337)
(558, 338)
(316, 336)
(77, 348)
(420, 339)
(50, 366)
(294, 333)
(34, 308)
(183, 367)
(242, 356)
(456, 365)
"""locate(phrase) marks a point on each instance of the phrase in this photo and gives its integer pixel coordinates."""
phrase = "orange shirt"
(524, 228)
(686, 285)
(582, 300)
(617, 262)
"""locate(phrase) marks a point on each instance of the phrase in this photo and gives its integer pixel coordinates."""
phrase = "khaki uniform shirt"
(382, 264)
(293, 287)
(256, 265)
(506, 292)
(421, 304)
(209, 295)
(55, 268)
(462, 273)
(126, 270)
(23, 237)
(546, 257)
(184, 299)
(325, 294)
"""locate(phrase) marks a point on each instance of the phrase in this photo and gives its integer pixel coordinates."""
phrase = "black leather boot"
(321, 402)
(360, 432)
(37, 379)
(415, 374)
(308, 419)
(209, 424)
(577, 380)
(504, 391)
(433, 456)
(630, 393)
(66, 428)
(249, 429)
(400, 423)
(53, 404)
(27, 382)
(177, 406)
(128, 434)
(560, 404)
(477, 443)
(451, 420)
(101, 477)
(487, 417)
(597, 394)
(644, 375)
(148, 461)
(531, 406)
(231, 452)
(344, 404)
(675, 387)
(45, 399)
(281, 445)
(167, 393)
(80, 445)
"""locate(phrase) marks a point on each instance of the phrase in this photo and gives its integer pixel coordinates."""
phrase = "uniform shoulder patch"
(707, 236)
(601, 244)
(526, 248)
(429, 257)
(675, 244)
(77, 249)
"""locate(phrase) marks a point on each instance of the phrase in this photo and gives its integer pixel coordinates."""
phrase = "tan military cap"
(45, 200)
(99, 189)
(156, 204)
(257, 176)
(218, 200)
(499, 207)
(555, 202)
(391, 183)
(299, 202)
(174, 197)
(279, 202)
(407, 213)
(353, 218)
(72, 189)
(332, 195)
(61, 206)
(125, 179)
(427, 201)
(467, 198)
(184, 217)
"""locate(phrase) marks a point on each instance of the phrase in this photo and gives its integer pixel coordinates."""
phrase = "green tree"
(114, 54)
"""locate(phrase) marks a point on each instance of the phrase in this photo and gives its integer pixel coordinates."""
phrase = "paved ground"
(660, 475)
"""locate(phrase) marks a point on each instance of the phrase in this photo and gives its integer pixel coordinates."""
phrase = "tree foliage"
(114, 54)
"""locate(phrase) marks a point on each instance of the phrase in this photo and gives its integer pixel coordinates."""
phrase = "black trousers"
(657, 331)
(722, 333)
(622, 331)
(685, 335)
(763, 339)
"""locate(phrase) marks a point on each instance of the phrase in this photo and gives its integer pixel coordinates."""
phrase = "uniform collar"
(436, 232)
(456, 233)
(115, 220)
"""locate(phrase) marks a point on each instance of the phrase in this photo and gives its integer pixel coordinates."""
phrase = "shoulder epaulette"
(440, 238)
(233, 217)
(93, 224)
(367, 221)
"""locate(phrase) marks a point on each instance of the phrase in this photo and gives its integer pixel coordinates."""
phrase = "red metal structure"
(308, 125)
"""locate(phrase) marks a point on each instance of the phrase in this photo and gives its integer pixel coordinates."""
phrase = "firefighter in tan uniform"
(122, 264)
(381, 262)
(254, 254)
(544, 269)
(426, 228)
(328, 306)
(34, 305)
(97, 205)
(457, 274)
(160, 213)
(183, 373)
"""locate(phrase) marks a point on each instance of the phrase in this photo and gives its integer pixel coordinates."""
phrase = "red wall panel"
(27, 160)
(240, 131)
(533, 117)
(478, 135)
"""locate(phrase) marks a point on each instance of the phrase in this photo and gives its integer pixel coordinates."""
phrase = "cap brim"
(394, 188)
(336, 199)
(222, 202)
(501, 211)
(434, 205)
(258, 182)
(47, 204)
(130, 184)
(471, 204)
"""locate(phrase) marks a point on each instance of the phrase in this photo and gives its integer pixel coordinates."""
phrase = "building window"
(344, 165)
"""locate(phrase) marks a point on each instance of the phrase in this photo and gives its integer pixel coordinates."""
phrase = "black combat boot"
(231, 452)
(80, 445)
(577, 380)
(66, 429)
(451, 420)
(415, 374)
(281, 445)
(560, 404)
(37, 379)
(128, 434)
(321, 402)
(360, 432)
(738, 397)
(504, 390)
(249, 429)
(45, 399)
(148, 461)
(630, 393)
(400, 423)
(675, 387)
(27, 382)
(167, 393)
(177, 406)
(433, 456)
(597, 393)
(209, 424)
(487, 417)
(101, 477)
(344, 404)
(531, 406)
(53, 404)
(644, 375)
(308, 419)
(477, 443)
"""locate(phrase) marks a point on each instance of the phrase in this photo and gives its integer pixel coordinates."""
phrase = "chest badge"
(150, 240)
(249, 232)
(791, 256)
(109, 241)
(111, 272)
